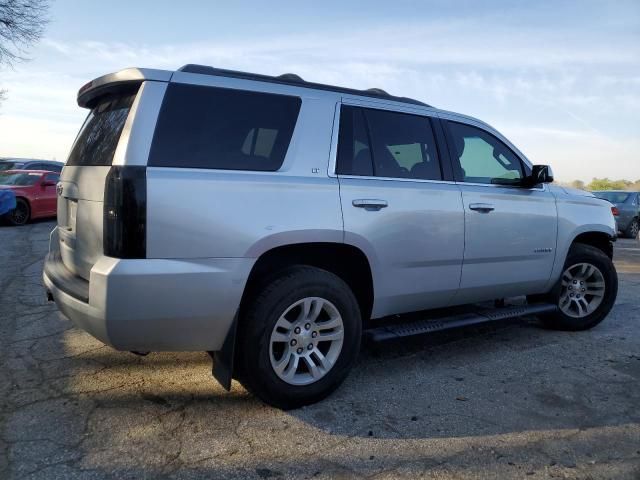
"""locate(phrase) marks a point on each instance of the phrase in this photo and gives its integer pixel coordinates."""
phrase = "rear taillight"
(615, 211)
(125, 213)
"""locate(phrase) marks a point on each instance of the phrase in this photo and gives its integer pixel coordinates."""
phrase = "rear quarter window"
(218, 128)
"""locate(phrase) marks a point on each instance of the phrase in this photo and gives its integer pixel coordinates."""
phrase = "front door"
(397, 208)
(510, 230)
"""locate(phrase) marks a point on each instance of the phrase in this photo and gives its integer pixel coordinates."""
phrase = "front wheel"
(586, 292)
(298, 337)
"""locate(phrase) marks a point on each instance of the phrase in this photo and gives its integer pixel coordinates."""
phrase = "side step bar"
(438, 324)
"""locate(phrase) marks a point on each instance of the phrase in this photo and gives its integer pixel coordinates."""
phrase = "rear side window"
(218, 128)
(51, 167)
(613, 197)
(354, 152)
(386, 144)
(98, 137)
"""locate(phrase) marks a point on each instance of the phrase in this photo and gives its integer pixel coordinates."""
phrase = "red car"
(35, 192)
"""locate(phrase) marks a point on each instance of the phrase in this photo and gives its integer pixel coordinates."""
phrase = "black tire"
(258, 320)
(580, 253)
(632, 229)
(21, 214)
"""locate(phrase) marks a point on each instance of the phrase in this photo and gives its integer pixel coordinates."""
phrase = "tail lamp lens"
(125, 212)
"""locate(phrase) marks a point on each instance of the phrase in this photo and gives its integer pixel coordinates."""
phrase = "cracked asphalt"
(508, 401)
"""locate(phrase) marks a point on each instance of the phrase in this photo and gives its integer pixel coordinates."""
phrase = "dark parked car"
(627, 210)
(30, 164)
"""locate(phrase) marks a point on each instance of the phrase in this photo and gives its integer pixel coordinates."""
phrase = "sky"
(561, 79)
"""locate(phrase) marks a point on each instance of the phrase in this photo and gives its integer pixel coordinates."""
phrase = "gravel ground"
(513, 401)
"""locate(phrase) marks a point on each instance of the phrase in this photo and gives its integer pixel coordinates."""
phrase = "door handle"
(482, 207)
(370, 204)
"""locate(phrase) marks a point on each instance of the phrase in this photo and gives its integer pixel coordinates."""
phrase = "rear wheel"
(21, 214)
(633, 229)
(586, 290)
(298, 338)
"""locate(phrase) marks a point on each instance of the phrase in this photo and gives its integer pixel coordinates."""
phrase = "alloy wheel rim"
(583, 289)
(19, 214)
(306, 341)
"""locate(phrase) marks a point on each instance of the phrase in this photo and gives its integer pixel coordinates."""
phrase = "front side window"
(386, 144)
(479, 157)
(219, 128)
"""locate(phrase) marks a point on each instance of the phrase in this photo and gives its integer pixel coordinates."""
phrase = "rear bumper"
(153, 304)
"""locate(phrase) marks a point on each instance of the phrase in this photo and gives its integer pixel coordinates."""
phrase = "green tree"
(606, 184)
(579, 184)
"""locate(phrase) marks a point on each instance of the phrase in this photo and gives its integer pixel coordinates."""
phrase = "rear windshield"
(98, 137)
(613, 197)
(19, 179)
(8, 166)
(218, 128)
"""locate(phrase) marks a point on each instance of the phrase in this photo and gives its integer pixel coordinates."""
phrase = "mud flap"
(222, 369)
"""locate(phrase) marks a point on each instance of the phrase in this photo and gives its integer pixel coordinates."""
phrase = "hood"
(574, 191)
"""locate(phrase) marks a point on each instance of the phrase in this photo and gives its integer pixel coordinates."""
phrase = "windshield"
(19, 179)
(613, 197)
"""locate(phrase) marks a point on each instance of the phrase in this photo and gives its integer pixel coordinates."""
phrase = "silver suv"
(272, 222)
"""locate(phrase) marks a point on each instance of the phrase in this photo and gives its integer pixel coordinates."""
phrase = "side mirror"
(48, 183)
(539, 174)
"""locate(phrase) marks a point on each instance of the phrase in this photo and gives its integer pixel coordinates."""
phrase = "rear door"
(510, 231)
(81, 186)
(398, 207)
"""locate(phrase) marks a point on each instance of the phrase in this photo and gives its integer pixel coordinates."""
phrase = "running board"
(439, 324)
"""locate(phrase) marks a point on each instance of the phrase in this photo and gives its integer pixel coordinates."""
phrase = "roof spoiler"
(122, 80)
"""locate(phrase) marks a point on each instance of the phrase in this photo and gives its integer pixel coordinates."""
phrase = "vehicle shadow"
(487, 396)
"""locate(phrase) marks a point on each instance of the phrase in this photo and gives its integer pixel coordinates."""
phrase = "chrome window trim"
(447, 182)
(542, 186)
(333, 150)
(395, 179)
(423, 111)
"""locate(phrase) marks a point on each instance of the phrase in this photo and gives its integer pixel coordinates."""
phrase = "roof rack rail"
(295, 80)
